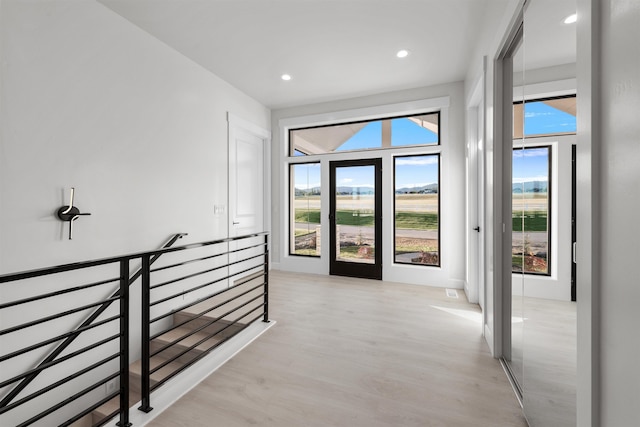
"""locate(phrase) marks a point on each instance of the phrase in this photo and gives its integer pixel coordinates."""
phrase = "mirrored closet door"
(539, 327)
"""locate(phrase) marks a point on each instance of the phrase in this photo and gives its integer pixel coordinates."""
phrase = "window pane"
(418, 130)
(417, 210)
(355, 202)
(421, 129)
(305, 209)
(556, 116)
(369, 136)
(531, 192)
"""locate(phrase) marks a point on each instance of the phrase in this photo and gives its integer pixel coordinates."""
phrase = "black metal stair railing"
(216, 315)
(93, 358)
(118, 337)
(84, 326)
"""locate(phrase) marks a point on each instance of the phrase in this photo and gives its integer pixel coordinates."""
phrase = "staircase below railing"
(196, 298)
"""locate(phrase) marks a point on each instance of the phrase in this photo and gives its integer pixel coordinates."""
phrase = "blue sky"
(307, 176)
(412, 171)
(403, 132)
(416, 171)
(355, 176)
(540, 118)
(368, 137)
(530, 164)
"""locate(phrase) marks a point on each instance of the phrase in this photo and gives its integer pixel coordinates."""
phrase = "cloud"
(427, 160)
(531, 114)
(414, 185)
(302, 186)
(346, 181)
(530, 152)
(540, 178)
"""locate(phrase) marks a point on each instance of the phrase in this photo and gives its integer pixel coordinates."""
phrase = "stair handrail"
(77, 331)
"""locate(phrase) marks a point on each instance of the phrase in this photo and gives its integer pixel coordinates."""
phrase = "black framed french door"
(355, 218)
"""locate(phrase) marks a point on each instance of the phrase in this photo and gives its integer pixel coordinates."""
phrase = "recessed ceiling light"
(571, 19)
(285, 77)
(402, 53)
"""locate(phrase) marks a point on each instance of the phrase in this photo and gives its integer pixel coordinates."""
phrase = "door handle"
(235, 223)
(477, 228)
(573, 250)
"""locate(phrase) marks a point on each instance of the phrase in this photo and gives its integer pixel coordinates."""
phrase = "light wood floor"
(352, 352)
(548, 371)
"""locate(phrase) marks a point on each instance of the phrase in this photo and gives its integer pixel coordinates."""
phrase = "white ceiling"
(548, 40)
(333, 49)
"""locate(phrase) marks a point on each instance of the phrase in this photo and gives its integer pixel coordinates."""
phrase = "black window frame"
(292, 149)
(292, 207)
(539, 135)
(439, 157)
(549, 147)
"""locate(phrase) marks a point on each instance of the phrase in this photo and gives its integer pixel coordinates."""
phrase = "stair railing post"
(124, 344)
(145, 380)
(266, 279)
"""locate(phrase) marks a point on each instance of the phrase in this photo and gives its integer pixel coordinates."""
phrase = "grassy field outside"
(404, 202)
(533, 220)
(404, 220)
(419, 211)
(416, 212)
(413, 212)
(417, 220)
(311, 216)
(530, 255)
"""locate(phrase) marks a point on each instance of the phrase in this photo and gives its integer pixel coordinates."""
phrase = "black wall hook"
(70, 213)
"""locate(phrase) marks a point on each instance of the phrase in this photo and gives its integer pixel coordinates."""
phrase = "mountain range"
(530, 187)
(423, 189)
(520, 187)
(344, 190)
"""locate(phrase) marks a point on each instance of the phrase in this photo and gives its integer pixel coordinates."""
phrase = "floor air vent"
(452, 293)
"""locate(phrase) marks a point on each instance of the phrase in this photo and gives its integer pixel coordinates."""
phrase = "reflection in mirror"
(531, 180)
(517, 234)
(548, 314)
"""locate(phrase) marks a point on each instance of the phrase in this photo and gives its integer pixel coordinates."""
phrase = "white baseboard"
(488, 337)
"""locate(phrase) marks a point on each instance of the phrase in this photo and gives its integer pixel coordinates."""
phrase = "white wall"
(452, 270)
(93, 102)
(617, 201)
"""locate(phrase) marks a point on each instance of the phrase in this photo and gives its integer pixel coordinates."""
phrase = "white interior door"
(247, 178)
(475, 199)
(480, 182)
(248, 195)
